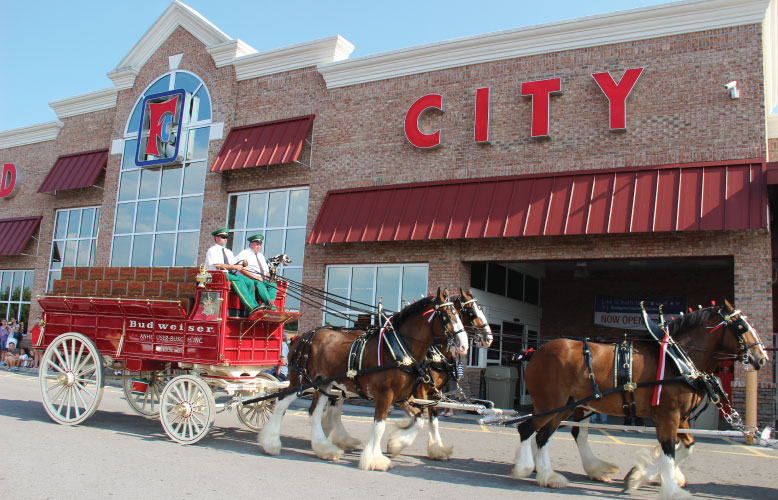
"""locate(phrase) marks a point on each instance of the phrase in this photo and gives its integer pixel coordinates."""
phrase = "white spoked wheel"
(71, 379)
(187, 409)
(145, 403)
(255, 415)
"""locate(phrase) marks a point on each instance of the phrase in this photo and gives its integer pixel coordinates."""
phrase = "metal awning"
(16, 233)
(688, 197)
(264, 144)
(73, 171)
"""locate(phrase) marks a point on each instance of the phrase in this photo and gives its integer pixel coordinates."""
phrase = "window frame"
(20, 302)
(94, 237)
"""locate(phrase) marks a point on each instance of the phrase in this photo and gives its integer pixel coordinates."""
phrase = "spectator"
(4, 340)
(282, 370)
(24, 358)
(598, 418)
(12, 356)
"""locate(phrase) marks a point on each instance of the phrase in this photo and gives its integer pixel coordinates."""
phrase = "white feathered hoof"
(439, 452)
(674, 494)
(327, 451)
(348, 443)
(271, 445)
(603, 471)
(552, 480)
(522, 472)
(680, 478)
(395, 445)
(376, 462)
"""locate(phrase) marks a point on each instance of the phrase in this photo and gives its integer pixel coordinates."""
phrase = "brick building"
(579, 164)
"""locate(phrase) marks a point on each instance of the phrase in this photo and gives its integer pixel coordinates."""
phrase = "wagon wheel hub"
(67, 379)
(184, 409)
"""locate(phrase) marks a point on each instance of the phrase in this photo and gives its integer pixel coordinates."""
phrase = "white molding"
(41, 132)
(302, 55)
(178, 14)
(224, 53)
(772, 128)
(173, 62)
(85, 103)
(124, 78)
(117, 146)
(636, 24)
(216, 132)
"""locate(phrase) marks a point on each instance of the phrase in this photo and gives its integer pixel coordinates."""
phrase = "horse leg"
(322, 446)
(269, 437)
(435, 448)
(336, 433)
(524, 462)
(596, 469)
(546, 475)
(682, 452)
(371, 457)
(403, 436)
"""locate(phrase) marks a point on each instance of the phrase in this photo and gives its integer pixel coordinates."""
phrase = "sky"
(51, 50)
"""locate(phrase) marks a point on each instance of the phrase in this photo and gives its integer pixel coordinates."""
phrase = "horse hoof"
(442, 453)
(328, 452)
(680, 478)
(271, 448)
(521, 473)
(554, 480)
(379, 463)
(603, 472)
(394, 447)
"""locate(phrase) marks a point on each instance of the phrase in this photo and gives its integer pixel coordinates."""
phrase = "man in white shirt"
(258, 270)
(220, 258)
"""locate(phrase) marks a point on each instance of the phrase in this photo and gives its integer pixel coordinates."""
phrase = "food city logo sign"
(9, 180)
(539, 91)
(160, 128)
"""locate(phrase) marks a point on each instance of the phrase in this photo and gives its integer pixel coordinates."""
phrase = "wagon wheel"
(71, 379)
(147, 403)
(187, 409)
(255, 415)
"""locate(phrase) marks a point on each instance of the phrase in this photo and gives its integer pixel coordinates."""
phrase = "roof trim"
(635, 24)
(178, 14)
(301, 55)
(33, 134)
(85, 103)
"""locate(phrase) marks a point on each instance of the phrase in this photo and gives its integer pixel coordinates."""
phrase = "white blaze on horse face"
(756, 351)
(486, 331)
(461, 336)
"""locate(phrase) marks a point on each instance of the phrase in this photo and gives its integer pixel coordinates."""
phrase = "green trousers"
(244, 287)
(267, 291)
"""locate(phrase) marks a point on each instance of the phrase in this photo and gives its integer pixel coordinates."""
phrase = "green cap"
(221, 231)
(255, 237)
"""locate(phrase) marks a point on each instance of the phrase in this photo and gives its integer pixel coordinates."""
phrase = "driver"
(257, 269)
(220, 258)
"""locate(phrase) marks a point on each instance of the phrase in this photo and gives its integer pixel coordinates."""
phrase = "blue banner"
(622, 313)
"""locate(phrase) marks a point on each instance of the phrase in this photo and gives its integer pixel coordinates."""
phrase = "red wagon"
(177, 336)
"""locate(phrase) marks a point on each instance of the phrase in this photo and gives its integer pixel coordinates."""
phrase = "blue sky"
(53, 50)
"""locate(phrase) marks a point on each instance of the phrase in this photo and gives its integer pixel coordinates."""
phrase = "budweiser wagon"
(178, 336)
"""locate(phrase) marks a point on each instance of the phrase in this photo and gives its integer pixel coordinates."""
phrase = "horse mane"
(410, 310)
(688, 321)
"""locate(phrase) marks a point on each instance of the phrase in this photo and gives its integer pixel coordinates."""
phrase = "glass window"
(160, 208)
(15, 294)
(496, 280)
(74, 246)
(478, 275)
(395, 285)
(276, 215)
(532, 290)
(515, 285)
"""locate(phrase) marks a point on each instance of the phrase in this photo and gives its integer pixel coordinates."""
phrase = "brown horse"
(475, 322)
(557, 375)
(323, 354)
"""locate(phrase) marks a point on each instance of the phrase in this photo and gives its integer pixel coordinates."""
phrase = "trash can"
(501, 385)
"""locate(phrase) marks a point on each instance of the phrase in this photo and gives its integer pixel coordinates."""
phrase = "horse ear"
(728, 306)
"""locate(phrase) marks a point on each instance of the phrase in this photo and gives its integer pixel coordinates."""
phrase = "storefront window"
(395, 284)
(74, 240)
(501, 280)
(159, 209)
(280, 216)
(15, 294)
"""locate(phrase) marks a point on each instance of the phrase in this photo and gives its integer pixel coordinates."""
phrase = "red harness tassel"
(660, 370)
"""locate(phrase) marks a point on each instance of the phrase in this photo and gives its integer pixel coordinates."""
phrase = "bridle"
(739, 324)
(450, 328)
(472, 315)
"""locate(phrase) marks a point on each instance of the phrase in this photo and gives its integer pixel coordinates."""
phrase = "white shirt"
(215, 255)
(255, 262)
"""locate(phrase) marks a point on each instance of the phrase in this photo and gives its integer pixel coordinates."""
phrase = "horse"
(474, 320)
(322, 355)
(557, 375)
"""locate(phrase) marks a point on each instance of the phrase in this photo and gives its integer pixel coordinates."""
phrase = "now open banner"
(621, 313)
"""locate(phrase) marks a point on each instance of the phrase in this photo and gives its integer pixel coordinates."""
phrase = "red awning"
(74, 171)
(16, 233)
(263, 144)
(690, 197)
